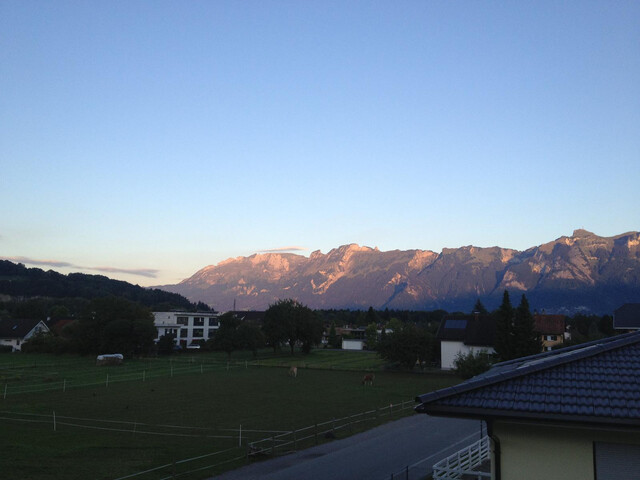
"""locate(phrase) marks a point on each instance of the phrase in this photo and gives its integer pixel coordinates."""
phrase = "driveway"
(417, 441)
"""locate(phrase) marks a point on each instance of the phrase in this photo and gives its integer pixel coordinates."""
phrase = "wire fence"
(116, 375)
(243, 445)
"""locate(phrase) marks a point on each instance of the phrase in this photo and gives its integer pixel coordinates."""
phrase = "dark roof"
(478, 330)
(596, 382)
(16, 328)
(627, 316)
(549, 324)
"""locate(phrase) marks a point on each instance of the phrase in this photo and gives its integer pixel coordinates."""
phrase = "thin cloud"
(283, 249)
(141, 272)
(33, 261)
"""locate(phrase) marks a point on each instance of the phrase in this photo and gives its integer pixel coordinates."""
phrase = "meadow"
(63, 417)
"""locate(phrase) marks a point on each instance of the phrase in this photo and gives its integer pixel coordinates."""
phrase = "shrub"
(472, 364)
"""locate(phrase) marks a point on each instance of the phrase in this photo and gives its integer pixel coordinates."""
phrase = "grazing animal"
(293, 372)
(368, 379)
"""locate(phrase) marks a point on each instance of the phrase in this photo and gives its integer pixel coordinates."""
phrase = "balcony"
(470, 463)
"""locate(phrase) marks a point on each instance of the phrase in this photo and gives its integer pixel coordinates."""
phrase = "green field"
(63, 417)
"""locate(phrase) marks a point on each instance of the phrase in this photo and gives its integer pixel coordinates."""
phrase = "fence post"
(407, 475)
(273, 446)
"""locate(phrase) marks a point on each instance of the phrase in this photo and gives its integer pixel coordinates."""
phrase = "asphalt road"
(417, 441)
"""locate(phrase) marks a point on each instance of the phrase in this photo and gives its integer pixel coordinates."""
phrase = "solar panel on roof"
(456, 324)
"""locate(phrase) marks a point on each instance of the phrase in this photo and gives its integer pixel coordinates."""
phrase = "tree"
(371, 336)
(291, 322)
(526, 339)
(250, 337)
(407, 345)
(471, 364)
(333, 338)
(504, 329)
(113, 325)
(226, 337)
(166, 344)
(479, 307)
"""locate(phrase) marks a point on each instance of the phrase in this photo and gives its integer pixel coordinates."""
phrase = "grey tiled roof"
(597, 382)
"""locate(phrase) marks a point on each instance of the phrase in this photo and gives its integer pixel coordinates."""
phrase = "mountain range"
(580, 273)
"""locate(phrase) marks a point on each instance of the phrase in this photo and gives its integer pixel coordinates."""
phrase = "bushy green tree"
(371, 336)
(333, 340)
(226, 338)
(471, 364)
(113, 325)
(407, 345)
(288, 321)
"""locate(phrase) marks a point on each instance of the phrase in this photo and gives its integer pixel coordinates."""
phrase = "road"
(418, 441)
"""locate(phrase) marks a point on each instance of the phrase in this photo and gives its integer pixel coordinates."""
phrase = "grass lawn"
(110, 430)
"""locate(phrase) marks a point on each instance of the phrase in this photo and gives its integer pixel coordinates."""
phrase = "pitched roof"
(597, 382)
(16, 328)
(476, 330)
(549, 324)
(627, 316)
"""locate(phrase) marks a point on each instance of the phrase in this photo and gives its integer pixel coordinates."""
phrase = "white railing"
(464, 462)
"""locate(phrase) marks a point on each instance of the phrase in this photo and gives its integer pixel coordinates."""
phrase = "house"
(188, 327)
(14, 332)
(551, 329)
(462, 334)
(627, 317)
(570, 414)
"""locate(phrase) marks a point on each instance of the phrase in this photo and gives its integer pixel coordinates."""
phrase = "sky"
(145, 140)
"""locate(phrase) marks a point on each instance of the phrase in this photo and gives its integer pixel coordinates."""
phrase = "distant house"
(14, 332)
(462, 334)
(551, 329)
(188, 327)
(627, 317)
(569, 414)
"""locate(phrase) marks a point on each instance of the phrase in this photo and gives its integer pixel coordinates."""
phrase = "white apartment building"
(188, 327)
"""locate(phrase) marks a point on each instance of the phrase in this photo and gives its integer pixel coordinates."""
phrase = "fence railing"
(240, 445)
(291, 441)
(464, 462)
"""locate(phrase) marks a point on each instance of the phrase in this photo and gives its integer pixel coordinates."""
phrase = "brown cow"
(368, 379)
(293, 372)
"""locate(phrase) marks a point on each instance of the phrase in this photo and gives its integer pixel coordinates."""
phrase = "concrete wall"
(533, 452)
(450, 349)
(352, 344)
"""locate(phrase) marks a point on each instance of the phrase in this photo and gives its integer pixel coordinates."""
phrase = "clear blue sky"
(148, 139)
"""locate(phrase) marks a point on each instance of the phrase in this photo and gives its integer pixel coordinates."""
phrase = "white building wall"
(188, 327)
(449, 350)
(353, 344)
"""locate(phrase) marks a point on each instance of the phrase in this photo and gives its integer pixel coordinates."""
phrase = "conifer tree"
(526, 339)
(504, 344)
(479, 307)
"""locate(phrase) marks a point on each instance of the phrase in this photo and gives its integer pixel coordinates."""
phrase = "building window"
(552, 338)
(198, 332)
(198, 321)
(183, 321)
(184, 333)
(213, 322)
